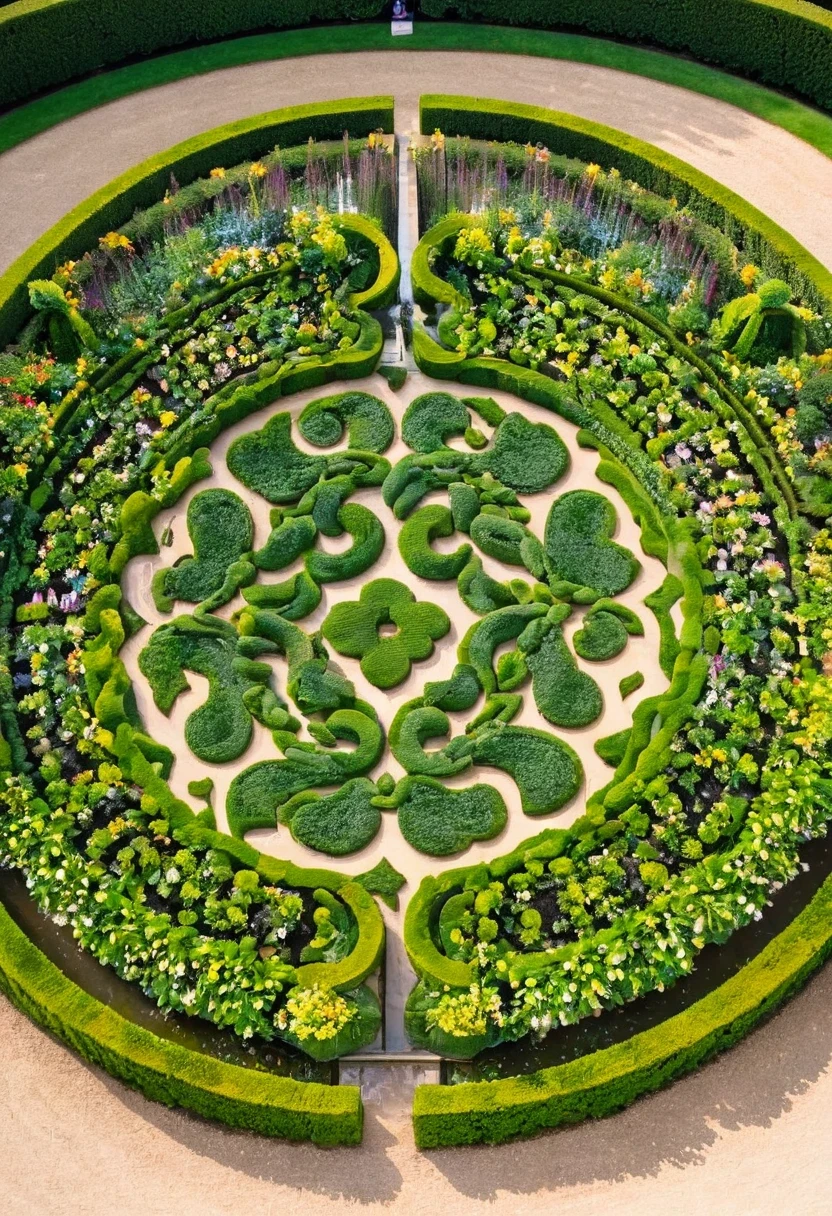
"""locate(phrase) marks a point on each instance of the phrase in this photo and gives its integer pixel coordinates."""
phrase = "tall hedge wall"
(47, 42)
(761, 239)
(114, 204)
(787, 43)
(44, 43)
(165, 1072)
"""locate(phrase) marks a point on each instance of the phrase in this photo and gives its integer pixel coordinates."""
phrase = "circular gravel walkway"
(786, 178)
(744, 1135)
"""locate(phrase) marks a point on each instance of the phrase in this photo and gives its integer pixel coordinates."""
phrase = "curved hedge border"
(786, 43)
(605, 1081)
(30, 118)
(164, 1071)
(114, 204)
(763, 241)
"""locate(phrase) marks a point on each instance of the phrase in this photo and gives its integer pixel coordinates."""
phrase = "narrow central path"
(786, 178)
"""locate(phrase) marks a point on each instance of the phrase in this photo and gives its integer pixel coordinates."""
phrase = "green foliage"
(293, 599)
(415, 537)
(221, 531)
(528, 456)
(353, 628)
(383, 880)
(164, 1071)
(363, 1024)
(499, 538)
(565, 695)
(630, 684)
(440, 821)
(220, 730)
(602, 637)
(268, 461)
(762, 241)
(338, 824)
(607, 1080)
(660, 603)
(368, 541)
(611, 748)
(143, 185)
(479, 591)
(430, 420)
(395, 376)
(478, 646)
(578, 545)
(286, 542)
(369, 421)
(546, 770)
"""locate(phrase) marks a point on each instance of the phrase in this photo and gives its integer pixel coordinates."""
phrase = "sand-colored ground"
(746, 1136)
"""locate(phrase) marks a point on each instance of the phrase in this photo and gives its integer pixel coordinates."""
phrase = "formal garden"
(417, 537)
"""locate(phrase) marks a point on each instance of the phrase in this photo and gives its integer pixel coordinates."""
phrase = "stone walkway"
(788, 179)
(745, 1135)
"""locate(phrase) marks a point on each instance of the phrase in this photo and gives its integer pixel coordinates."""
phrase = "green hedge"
(43, 43)
(114, 204)
(165, 1072)
(760, 239)
(786, 43)
(47, 42)
(607, 1080)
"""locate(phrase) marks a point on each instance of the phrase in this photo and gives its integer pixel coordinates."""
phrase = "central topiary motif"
(353, 630)
(515, 641)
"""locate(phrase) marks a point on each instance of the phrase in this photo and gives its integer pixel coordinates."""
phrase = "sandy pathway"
(786, 178)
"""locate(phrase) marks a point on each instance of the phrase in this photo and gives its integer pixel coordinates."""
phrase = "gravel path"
(786, 178)
(743, 1135)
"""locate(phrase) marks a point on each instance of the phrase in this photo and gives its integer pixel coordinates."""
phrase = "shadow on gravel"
(750, 1085)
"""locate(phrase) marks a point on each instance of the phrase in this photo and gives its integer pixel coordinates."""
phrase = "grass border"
(799, 119)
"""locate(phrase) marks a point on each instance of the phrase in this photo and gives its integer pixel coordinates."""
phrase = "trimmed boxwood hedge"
(143, 185)
(786, 43)
(166, 1072)
(762, 240)
(605, 1081)
(46, 42)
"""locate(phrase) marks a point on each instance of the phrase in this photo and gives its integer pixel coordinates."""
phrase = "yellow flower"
(167, 418)
(258, 169)
(592, 171)
(437, 140)
(116, 240)
(21, 469)
(218, 173)
(748, 274)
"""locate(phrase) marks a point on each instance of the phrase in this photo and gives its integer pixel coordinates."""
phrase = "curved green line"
(32, 118)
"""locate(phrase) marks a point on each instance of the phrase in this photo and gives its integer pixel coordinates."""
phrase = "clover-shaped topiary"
(353, 627)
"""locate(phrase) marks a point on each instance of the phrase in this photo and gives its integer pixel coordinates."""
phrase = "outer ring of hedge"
(787, 43)
(164, 1071)
(764, 241)
(605, 1081)
(113, 204)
